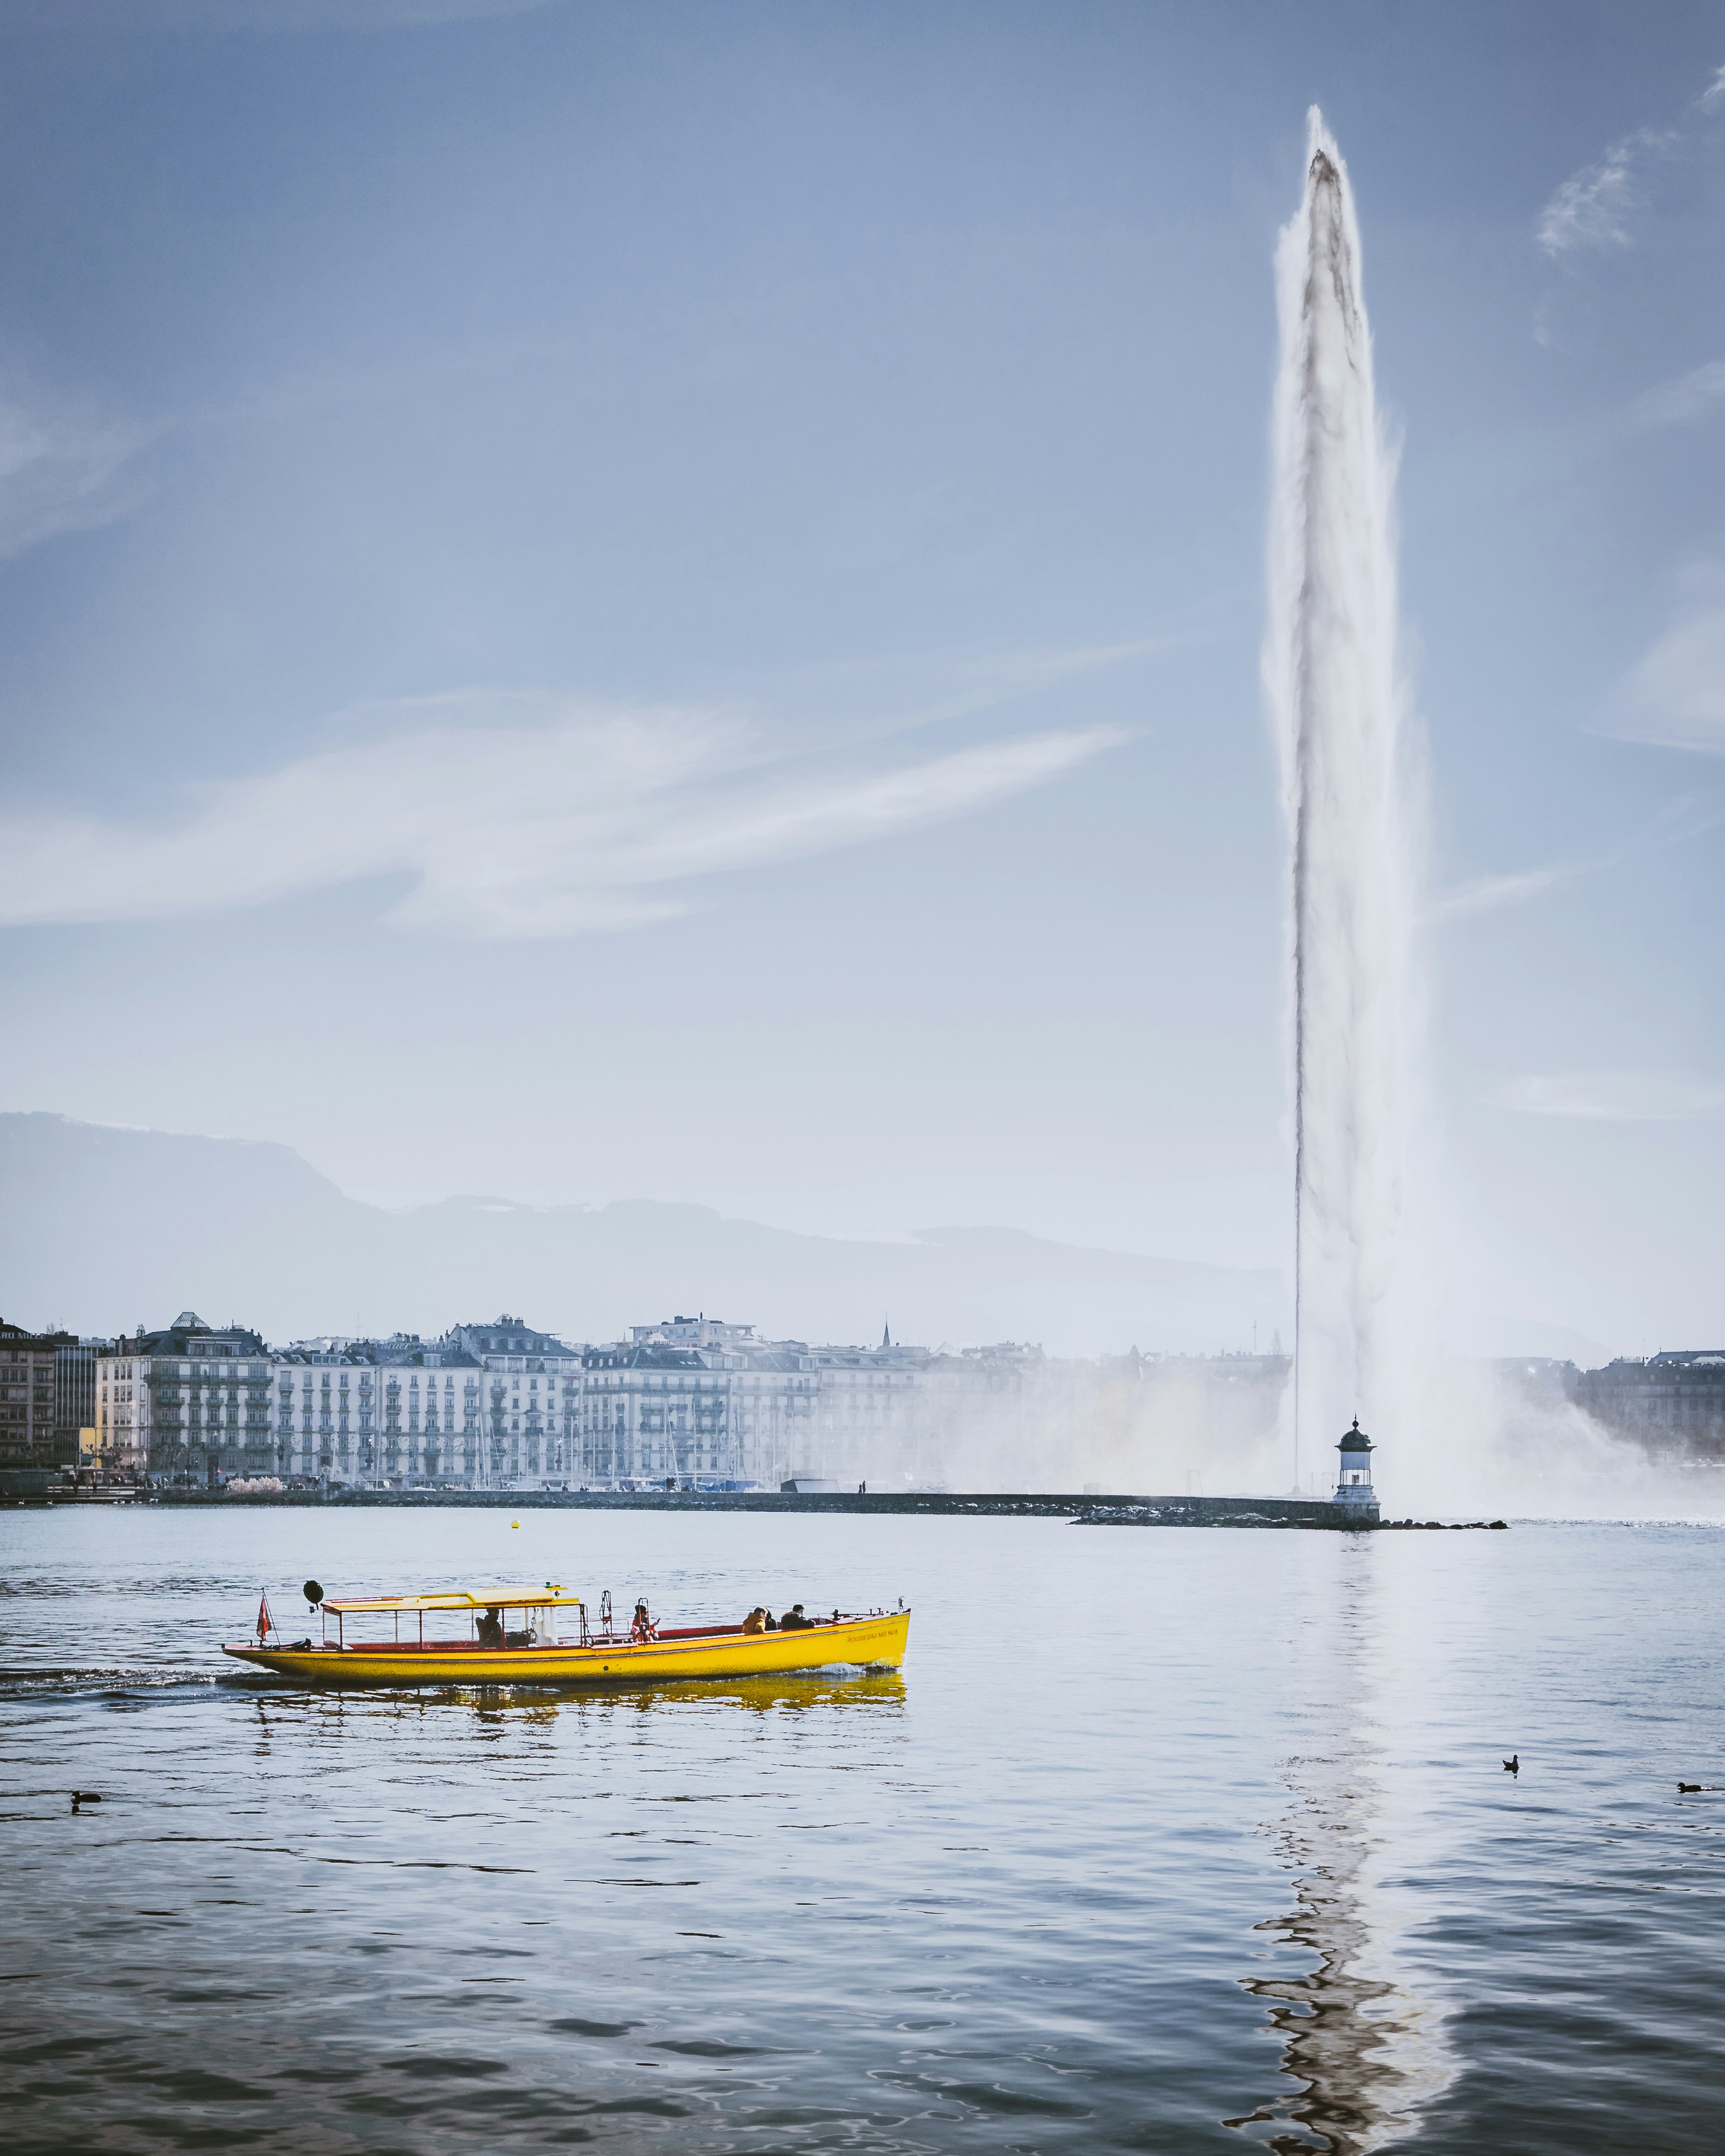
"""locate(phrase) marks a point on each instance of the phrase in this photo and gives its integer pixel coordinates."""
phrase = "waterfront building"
(400, 1412)
(772, 1394)
(191, 1400)
(700, 1400)
(431, 1401)
(76, 1441)
(871, 1415)
(702, 1331)
(32, 1421)
(732, 1409)
(532, 1398)
(325, 1411)
(1672, 1403)
(641, 1405)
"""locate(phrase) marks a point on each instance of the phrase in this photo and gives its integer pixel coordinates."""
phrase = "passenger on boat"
(793, 1620)
(644, 1628)
(490, 1628)
(756, 1621)
(771, 1622)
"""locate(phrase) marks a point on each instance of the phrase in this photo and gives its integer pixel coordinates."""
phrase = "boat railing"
(606, 1635)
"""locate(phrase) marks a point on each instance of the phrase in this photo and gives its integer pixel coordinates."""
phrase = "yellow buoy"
(515, 1524)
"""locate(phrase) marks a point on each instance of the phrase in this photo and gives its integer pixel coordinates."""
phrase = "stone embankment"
(1132, 1511)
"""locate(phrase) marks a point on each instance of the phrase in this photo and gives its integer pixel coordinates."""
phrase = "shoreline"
(1079, 1510)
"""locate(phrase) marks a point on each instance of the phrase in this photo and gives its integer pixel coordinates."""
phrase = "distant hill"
(103, 1230)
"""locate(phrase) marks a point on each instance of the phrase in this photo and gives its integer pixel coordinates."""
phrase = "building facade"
(642, 1404)
(1672, 1403)
(696, 1400)
(531, 1398)
(397, 1412)
(74, 1402)
(871, 1415)
(701, 1401)
(32, 1427)
(189, 1402)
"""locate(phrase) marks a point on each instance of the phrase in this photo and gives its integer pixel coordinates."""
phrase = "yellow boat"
(553, 1643)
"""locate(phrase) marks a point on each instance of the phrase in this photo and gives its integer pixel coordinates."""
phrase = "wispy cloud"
(870, 699)
(1486, 893)
(509, 816)
(61, 471)
(1680, 819)
(1690, 395)
(1615, 1096)
(1676, 695)
(1594, 207)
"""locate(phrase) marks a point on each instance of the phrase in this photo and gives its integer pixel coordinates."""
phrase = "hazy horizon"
(246, 1240)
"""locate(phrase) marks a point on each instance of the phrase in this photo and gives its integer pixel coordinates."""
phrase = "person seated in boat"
(793, 1620)
(756, 1621)
(769, 1623)
(490, 1628)
(642, 1628)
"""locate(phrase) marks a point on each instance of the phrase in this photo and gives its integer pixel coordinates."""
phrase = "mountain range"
(105, 1228)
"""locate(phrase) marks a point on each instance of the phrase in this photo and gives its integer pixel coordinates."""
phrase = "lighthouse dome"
(1355, 1440)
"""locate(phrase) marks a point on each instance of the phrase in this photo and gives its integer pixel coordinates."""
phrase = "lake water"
(1165, 1839)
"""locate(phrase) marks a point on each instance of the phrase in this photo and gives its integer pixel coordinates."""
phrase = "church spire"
(887, 1336)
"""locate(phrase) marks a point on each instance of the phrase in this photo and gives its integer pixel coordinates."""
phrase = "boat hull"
(875, 1642)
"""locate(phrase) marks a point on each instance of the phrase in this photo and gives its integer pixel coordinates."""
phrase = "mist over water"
(1331, 674)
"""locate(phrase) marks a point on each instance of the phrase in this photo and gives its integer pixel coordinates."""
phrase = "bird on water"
(1688, 1789)
(1512, 1765)
(84, 1797)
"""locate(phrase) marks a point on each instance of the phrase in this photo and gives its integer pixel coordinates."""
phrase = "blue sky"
(618, 601)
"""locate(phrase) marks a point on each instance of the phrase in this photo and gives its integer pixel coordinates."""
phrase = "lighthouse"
(1354, 1482)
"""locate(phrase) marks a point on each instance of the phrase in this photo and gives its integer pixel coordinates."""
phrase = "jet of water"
(1332, 680)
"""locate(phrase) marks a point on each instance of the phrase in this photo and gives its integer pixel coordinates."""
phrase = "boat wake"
(83, 1681)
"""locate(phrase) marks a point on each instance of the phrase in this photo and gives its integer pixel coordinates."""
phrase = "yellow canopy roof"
(509, 1598)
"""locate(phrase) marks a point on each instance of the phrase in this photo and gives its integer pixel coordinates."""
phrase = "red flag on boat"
(264, 1626)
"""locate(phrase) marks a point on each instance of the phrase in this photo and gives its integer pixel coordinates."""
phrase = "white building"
(188, 1401)
(532, 1399)
(398, 1412)
(698, 1401)
(870, 1418)
(431, 1403)
(325, 1412)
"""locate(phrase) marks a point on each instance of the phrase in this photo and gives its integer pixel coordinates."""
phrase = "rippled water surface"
(1164, 1839)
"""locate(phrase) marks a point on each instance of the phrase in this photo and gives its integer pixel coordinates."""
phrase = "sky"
(613, 601)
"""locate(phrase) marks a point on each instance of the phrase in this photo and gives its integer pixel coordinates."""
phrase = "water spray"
(1331, 679)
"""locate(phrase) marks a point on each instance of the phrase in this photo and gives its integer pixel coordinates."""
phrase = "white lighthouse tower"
(1353, 1483)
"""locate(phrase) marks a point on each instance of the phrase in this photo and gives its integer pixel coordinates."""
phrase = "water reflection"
(533, 1703)
(1366, 2047)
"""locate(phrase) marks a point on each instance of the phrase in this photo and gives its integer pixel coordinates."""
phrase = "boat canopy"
(502, 1597)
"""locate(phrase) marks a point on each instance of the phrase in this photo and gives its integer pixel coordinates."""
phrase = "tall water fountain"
(1332, 679)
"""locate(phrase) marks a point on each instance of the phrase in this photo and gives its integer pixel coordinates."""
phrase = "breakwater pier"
(1089, 1510)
